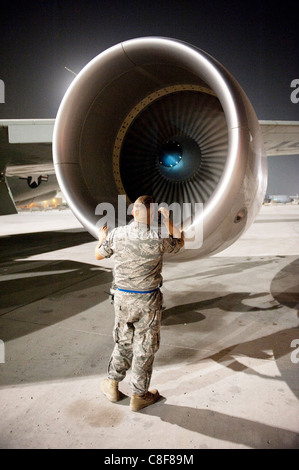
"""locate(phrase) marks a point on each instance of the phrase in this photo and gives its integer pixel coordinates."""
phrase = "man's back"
(138, 251)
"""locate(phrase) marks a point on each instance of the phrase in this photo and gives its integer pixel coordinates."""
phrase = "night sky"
(258, 41)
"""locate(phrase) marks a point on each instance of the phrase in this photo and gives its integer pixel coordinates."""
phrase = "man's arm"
(172, 230)
(103, 232)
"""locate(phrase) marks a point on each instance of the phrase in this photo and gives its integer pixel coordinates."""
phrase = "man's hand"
(103, 232)
(163, 211)
(172, 230)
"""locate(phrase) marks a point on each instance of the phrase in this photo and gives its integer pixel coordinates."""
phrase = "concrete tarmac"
(227, 368)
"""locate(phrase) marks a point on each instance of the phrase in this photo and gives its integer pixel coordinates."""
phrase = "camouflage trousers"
(137, 337)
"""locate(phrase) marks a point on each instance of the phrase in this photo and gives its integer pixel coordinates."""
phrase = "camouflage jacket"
(138, 252)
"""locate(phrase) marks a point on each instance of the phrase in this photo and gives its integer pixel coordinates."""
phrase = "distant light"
(170, 154)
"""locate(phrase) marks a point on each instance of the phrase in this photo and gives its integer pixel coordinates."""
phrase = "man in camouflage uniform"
(138, 251)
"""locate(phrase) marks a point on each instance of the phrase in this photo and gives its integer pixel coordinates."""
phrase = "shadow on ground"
(224, 427)
(24, 245)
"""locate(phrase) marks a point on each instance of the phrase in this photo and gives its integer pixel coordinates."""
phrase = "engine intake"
(153, 100)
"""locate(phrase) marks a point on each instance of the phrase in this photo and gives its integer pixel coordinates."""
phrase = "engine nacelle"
(135, 102)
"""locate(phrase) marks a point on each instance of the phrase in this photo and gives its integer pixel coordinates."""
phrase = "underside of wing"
(280, 137)
(25, 160)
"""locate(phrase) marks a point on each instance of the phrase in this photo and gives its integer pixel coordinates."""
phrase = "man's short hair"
(145, 201)
(142, 208)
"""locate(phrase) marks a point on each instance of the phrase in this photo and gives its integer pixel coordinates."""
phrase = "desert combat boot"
(141, 401)
(109, 388)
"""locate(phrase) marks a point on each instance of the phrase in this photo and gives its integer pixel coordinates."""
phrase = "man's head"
(142, 209)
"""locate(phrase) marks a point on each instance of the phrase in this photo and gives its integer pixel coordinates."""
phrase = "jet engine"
(159, 116)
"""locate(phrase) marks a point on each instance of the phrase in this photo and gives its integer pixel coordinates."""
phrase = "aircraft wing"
(25, 153)
(280, 137)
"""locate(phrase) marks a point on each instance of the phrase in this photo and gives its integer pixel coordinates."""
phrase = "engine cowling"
(127, 110)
